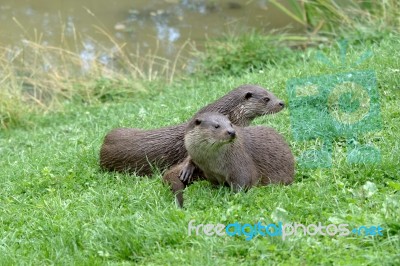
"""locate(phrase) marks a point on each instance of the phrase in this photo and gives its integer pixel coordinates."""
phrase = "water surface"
(89, 27)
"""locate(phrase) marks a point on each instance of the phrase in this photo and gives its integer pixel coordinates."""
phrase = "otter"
(140, 151)
(239, 157)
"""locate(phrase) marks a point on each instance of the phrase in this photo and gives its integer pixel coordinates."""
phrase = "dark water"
(160, 28)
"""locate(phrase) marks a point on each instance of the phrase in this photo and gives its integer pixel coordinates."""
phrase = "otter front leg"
(171, 178)
(186, 173)
(242, 179)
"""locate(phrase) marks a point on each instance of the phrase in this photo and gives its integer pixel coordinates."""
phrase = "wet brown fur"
(256, 155)
(136, 150)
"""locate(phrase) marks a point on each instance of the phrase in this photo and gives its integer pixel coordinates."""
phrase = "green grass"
(333, 16)
(57, 207)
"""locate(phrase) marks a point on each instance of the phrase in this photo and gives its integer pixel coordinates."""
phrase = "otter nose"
(232, 133)
(282, 104)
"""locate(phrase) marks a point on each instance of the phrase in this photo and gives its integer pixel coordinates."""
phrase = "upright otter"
(240, 157)
(135, 150)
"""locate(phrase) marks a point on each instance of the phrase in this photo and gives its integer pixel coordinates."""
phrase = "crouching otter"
(240, 157)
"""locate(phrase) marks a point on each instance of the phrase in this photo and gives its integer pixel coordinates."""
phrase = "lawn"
(58, 207)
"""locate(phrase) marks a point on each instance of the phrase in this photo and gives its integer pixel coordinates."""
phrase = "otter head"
(243, 104)
(257, 101)
(209, 130)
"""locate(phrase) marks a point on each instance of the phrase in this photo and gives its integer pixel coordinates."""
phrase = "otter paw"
(186, 173)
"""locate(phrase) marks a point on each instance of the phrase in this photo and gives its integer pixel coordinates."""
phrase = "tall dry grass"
(36, 77)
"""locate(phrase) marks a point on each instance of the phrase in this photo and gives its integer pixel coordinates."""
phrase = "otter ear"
(248, 95)
(197, 121)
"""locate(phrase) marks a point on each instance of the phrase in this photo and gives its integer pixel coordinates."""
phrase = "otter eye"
(216, 126)
(197, 122)
(266, 99)
(248, 95)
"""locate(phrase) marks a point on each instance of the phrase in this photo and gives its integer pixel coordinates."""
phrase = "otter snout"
(231, 133)
(278, 106)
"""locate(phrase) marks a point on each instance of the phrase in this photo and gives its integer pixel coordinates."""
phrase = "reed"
(37, 78)
(331, 16)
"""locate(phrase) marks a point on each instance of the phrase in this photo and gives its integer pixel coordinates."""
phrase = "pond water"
(157, 27)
